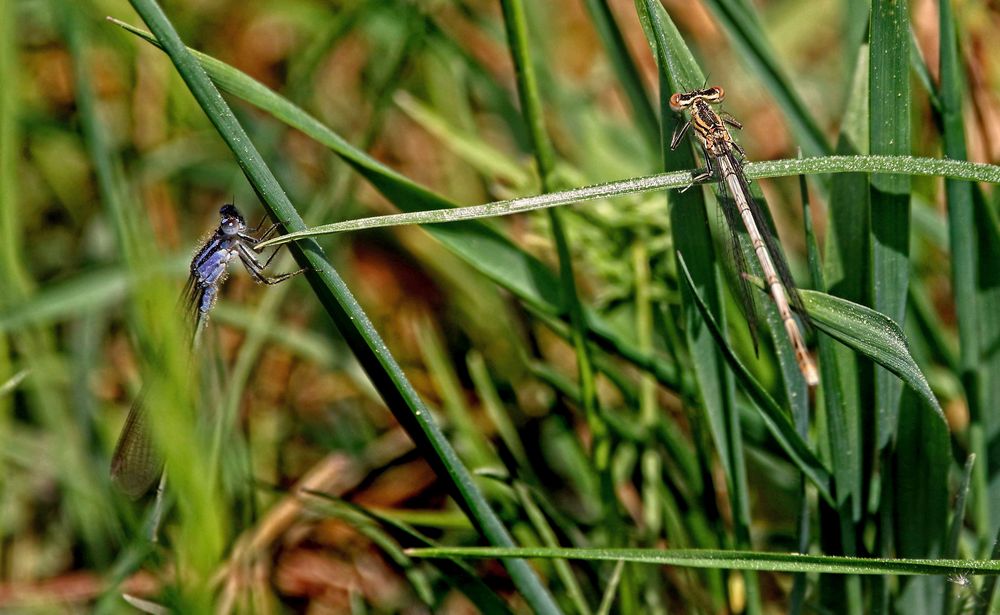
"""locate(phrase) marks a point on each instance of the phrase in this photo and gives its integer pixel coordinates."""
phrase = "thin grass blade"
(956, 169)
(775, 419)
(738, 560)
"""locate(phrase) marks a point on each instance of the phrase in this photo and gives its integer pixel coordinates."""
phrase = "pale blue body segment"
(231, 241)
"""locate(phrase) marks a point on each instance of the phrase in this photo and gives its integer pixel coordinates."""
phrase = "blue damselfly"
(135, 464)
(724, 161)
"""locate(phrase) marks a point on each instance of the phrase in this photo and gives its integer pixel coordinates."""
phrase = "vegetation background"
(591, 408)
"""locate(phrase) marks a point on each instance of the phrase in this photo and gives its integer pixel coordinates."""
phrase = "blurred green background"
(110, 175)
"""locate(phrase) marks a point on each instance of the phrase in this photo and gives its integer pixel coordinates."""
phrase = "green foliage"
(577, 387)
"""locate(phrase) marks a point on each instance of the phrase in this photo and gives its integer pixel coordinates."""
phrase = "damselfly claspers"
(724, 161)
(135, 464)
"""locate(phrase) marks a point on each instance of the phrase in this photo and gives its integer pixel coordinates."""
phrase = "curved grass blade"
(871, 333)
(456, 573)
(343, 308)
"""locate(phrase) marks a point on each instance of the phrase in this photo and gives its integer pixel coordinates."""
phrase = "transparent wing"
(768, 233)
(136, 464)
(735, 225)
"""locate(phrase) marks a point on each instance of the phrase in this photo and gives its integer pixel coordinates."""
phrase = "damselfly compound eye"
(675, 102)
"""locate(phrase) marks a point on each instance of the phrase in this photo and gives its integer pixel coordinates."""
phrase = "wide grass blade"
(889, 121)
(874, 335)
(678, 72)
(690, 231)
(343, 308)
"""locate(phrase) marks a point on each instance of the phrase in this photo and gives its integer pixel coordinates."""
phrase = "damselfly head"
(231, 222)
(682, 100)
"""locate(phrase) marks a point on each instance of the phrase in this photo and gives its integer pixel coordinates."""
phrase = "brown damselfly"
(724, 162)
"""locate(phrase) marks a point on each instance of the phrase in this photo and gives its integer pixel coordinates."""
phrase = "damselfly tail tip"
(810, 373)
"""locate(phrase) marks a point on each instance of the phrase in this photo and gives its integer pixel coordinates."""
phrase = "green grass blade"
(842, 440)
(909, 165)
(490, 161)
(776, 420)
(961, 220)
(922, 459)
(873, 334)
(476, 448)
(497, 412)
(690, 231)
(455, 572)
(987, 236)
(343, 308)
(548, 538)
(678, 71)
(972, 304)
(11, 237)
(737, 560)
(544, 152)
(383, 540)
(612, 588)
(842, 446)
(890, 199)
(984, 601)
(516, 25)
(957, 522)
(845, 270)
